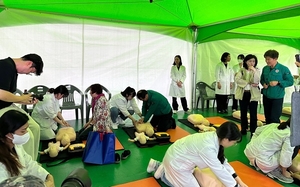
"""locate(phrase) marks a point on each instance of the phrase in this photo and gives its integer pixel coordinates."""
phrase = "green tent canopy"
(211, 19)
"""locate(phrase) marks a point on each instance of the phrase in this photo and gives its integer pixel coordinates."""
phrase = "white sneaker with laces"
(276, 173)
(158, 173)
(114, 126)
(120, 121)
(152, 165)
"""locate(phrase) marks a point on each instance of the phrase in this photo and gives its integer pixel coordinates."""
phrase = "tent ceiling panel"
(213, 18)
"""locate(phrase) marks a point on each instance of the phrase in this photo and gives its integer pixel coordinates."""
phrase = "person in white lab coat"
(270, 150)
(14, 161)
(200, 150)
(177, 89)
(224, 78)
(47, 113)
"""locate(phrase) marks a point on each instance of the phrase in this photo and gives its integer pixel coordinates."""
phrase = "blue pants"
(115, 112)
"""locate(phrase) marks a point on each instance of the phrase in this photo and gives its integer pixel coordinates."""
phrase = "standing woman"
(200, 150)
(14, 161)
(224, 78)
(178, 75)
(247, 80)
(47, 113)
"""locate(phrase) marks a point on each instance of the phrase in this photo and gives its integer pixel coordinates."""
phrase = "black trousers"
(272, 109)
(245, 104)
(222, 102)
(183, 103)
(162, 122)
(234, 103)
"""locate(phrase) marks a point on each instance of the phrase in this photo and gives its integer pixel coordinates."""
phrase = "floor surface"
(134, 167)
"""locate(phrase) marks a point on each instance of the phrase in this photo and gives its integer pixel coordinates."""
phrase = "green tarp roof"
(214, 19)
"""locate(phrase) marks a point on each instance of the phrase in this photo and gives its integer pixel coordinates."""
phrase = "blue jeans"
(115, 112)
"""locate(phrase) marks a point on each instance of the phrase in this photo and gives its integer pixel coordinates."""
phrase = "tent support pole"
(194, 66)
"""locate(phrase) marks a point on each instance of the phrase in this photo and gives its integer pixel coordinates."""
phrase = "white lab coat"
(30, 167)
(120, 102)
(270, 147)
(200, 149)
(44, 112)
(225, 76)
(177, 75)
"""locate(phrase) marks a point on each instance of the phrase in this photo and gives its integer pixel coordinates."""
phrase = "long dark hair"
(248, 57)
(230, 131)
(10, 121)
(224, 56)
(128, 91)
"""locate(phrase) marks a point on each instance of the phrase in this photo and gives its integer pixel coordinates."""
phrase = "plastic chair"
(69, 103)
(37, 90)
(206, 93)
(88, 99)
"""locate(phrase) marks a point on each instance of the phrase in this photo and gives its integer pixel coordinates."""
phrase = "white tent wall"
(209, 54)
(82, 54)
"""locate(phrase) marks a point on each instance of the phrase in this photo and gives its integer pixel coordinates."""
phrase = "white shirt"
(200, 149)
(120, 102)
(30, 167)
(45, 111)
(270, 147)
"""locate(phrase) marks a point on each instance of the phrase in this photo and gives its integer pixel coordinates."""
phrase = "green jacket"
(279, 73)
(156, 104)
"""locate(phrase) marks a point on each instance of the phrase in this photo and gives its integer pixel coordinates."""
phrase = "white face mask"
(240, 60)
(20, 139)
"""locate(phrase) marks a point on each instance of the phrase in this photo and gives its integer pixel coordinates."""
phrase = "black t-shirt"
(8, 78)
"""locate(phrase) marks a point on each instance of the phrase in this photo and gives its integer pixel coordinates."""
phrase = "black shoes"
(117, 158)
(125, 154)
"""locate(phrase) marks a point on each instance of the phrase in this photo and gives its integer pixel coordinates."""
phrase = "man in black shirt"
(9, 70)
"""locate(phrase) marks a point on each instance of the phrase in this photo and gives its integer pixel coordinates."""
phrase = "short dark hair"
(248, 57)
(141, 94)
(37, 62)
(96, 88)
(240, 56)
(224, 56)
(179, 59)
(129, 91)
(271, 53)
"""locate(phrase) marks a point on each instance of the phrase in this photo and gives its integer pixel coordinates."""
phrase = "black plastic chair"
(69, 103)
(88, 98)
(206, 93)
(37, 90)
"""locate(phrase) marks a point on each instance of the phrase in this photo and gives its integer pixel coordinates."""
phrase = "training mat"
(177, 133)
(61, 155)
(130, 132)
(147, 182)
(251, 177)
(189, 124)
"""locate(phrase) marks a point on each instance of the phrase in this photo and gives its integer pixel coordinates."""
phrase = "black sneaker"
(117, 158)
(125, 154)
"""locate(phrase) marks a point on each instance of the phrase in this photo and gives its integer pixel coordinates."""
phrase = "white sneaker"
(174, 111)
(152, 165)
(120, 121)
(114, 126)
(158, 173)
(276, 173)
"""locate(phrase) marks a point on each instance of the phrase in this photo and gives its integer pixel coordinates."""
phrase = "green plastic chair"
(206, 93)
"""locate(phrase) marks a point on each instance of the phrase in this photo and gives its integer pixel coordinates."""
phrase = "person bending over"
(47, 113)
(199, 150)
(270, 150)
(157, 105)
